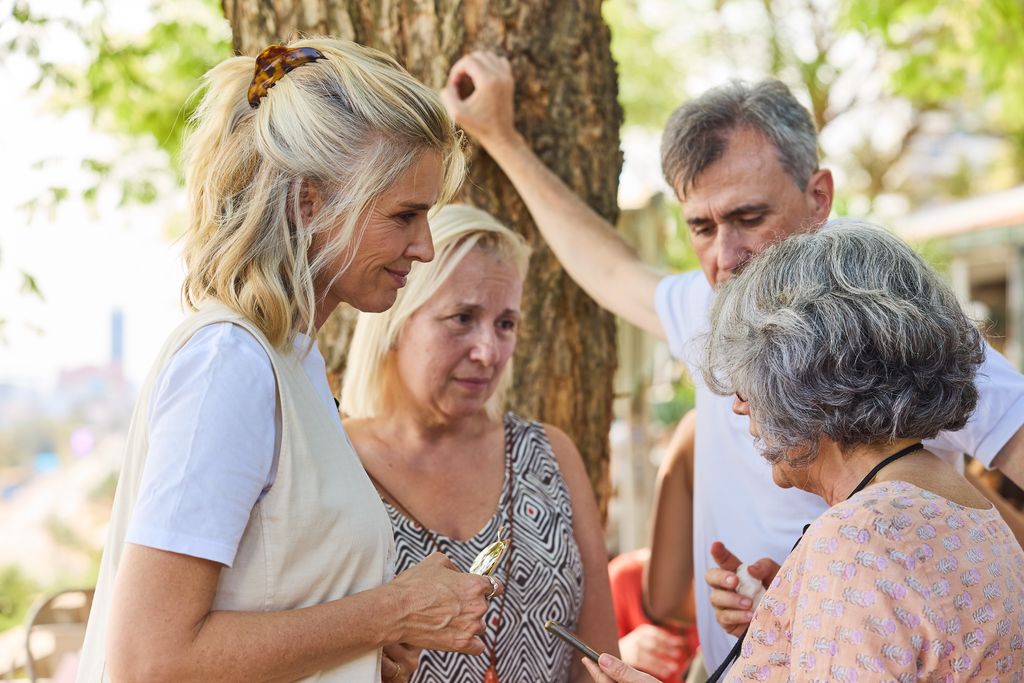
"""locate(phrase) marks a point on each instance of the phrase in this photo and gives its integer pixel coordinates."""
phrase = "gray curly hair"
(847, 334)
(698, 131)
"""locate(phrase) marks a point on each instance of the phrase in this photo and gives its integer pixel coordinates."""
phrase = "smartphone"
(568, 636)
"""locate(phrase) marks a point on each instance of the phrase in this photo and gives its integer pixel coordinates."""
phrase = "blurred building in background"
(59, 452)
(983, 238)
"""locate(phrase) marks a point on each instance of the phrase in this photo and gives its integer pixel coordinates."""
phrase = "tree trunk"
(567, 109)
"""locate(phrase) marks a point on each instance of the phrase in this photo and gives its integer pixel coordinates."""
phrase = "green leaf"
(29, 285)
(101, 168)
(138, 192)
(20, 13)
(58, 194)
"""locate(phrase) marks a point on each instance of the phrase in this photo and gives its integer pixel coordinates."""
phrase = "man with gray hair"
(743, 163)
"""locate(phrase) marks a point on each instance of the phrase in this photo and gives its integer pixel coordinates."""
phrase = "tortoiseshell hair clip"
(273, 63)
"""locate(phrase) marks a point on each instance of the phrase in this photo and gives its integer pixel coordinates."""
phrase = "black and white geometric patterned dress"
(542, 572)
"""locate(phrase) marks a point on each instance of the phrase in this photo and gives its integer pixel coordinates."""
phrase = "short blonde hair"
(457, 229)
(350, 123)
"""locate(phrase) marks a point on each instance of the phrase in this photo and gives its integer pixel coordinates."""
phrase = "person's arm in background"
(668, 574)
(994, 436)
(588, 247)
(1010, 461)
(652, 649)
(1013, 517)
(649, 648)
(596, 623)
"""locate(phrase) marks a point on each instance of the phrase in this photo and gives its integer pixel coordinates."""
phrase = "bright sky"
(87, 264)
(87, 260)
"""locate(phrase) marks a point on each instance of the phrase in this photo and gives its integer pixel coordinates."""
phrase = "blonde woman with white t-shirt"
(246, 541)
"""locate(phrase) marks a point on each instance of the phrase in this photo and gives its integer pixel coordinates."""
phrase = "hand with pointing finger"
(733, 610)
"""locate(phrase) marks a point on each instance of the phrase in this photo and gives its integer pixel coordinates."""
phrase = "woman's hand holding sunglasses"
(441, 607)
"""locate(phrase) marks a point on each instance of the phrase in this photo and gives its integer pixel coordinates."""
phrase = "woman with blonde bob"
(425, 398)
(246, 541)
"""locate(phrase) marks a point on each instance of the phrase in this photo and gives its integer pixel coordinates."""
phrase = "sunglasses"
(487, 561)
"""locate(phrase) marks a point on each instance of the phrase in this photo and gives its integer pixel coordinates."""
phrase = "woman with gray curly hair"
(846, 350)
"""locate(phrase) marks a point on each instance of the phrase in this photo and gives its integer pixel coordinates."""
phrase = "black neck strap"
(735, 652)
(877, 468)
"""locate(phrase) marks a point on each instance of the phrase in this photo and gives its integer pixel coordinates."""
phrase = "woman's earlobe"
(309, 200)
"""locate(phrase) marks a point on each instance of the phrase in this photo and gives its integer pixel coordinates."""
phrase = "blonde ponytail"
(350, 122)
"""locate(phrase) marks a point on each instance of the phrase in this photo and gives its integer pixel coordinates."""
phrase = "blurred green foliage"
(953, 52)
(668, 411)
(650, 72)
(139, 85)
(850, 62)
(142, 85)
(17, 592)
(949, 47)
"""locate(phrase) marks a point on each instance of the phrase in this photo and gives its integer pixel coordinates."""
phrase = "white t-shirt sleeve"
(212, 442)
(1000, 412)
(682, 303)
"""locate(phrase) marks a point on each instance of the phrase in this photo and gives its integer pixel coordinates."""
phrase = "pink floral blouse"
(895, 584)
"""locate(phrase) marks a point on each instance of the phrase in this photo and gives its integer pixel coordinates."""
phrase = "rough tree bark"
(566, 107)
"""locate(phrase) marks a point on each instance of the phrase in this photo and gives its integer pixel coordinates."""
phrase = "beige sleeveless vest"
(320, 532)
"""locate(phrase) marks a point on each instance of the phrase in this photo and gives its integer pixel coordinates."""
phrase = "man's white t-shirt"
(735, 499)
(213, 442)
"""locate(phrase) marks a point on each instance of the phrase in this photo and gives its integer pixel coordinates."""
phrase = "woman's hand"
(398, 662)
(442, 607)
(613, 670)
(732, 610)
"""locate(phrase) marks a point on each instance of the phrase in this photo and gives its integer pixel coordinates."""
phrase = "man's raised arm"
(588, 247)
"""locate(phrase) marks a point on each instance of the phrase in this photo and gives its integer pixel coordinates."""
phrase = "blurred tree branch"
(136, 86)
(885, 78)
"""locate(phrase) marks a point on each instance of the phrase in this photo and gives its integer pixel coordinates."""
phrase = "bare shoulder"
(586, 516)
(561, 443)
(570, 462)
